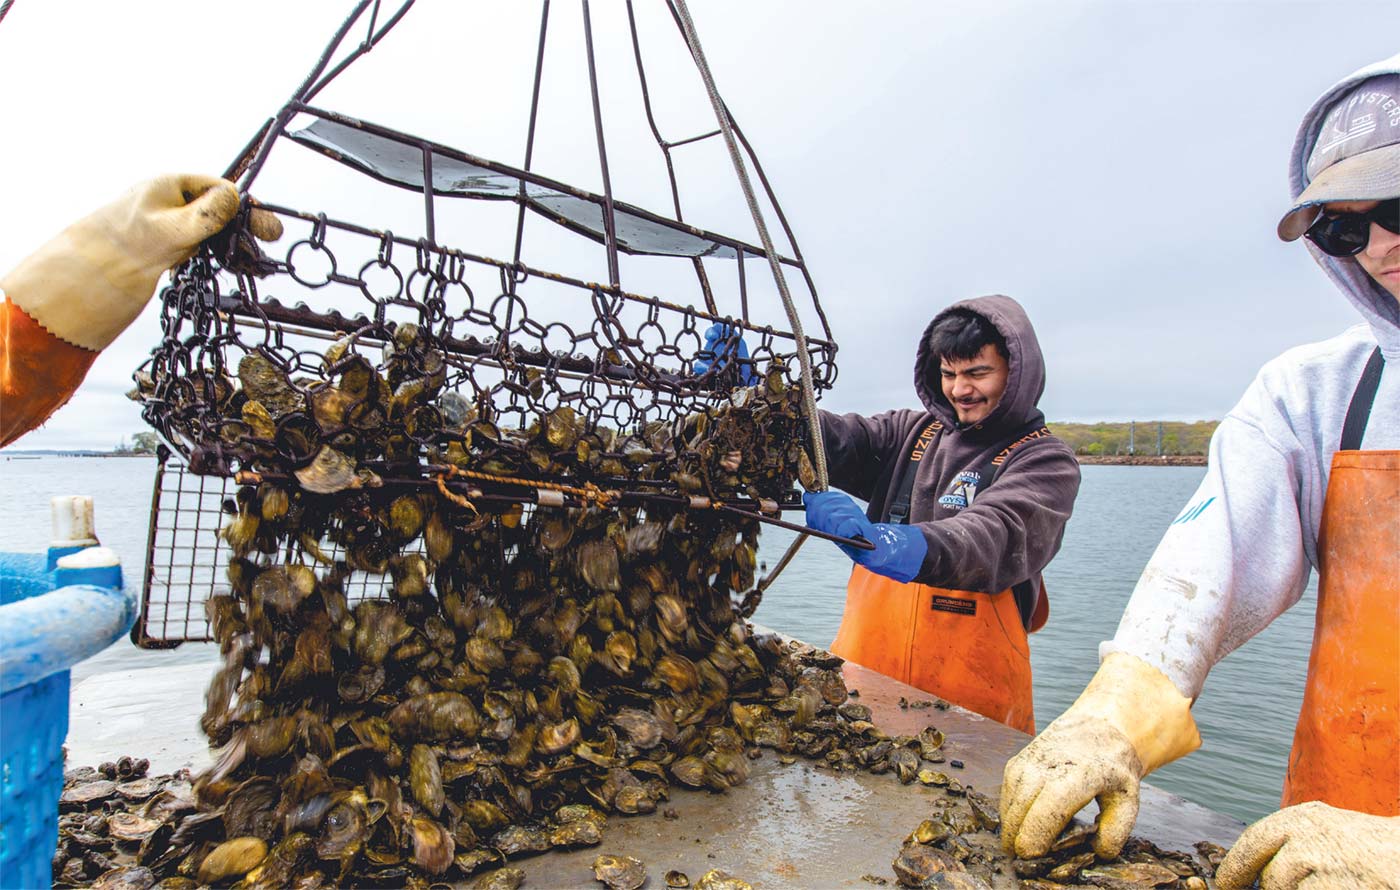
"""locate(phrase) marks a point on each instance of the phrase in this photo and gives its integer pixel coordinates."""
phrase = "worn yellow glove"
(1129, 720)
(1315, 845)
(91, 280)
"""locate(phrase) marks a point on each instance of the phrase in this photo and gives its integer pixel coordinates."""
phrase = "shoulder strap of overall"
(1361, 401)
(898, 510)
(1027, 592)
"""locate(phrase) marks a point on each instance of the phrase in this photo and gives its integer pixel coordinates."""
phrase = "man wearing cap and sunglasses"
(1304, 471)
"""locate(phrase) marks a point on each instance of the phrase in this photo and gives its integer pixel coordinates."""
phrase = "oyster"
(500, 879)
(715, 879)
(130, 877)
(917, 863)
(1136, 874)
(425, 779)
(620, 872)
(433, 847)
(580, 833)
(517, 840)
(232, 858)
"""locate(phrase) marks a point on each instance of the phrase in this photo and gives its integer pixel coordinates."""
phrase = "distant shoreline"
(1143, 460)
(39, 455)
(1112, 460)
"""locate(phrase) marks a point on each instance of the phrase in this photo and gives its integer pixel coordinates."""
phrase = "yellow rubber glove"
(92, 280)
(1315, 845)
(1129, 720)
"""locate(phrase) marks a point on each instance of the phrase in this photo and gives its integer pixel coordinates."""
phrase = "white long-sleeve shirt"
(1241, 551)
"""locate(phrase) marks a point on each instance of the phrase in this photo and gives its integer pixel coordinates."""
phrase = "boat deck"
(797, 825)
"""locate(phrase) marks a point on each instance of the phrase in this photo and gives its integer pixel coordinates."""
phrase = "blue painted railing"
(56, 609)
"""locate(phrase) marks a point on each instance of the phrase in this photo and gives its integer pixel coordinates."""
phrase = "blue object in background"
(56, 609)
(720, 344)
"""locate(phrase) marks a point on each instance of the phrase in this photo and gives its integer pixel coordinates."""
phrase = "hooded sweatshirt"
(982, 541)
(1242, 549)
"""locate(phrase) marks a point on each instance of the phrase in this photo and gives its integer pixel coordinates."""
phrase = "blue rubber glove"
(899, 549)
(717, 351)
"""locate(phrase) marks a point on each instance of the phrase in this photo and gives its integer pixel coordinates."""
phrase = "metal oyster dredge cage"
(625, 362)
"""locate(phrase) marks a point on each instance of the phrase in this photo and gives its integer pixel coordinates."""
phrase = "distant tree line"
(141, 443)
(1177, 437)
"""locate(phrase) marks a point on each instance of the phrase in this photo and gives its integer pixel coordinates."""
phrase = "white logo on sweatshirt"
(962, 492)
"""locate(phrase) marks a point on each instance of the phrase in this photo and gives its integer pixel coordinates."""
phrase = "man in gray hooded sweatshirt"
(968, 503)
(1304, 472)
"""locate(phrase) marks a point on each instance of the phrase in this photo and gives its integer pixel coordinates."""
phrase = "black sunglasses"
(1346, 234)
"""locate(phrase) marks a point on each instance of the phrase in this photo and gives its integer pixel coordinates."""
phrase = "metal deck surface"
(788, 826)
(803, 826)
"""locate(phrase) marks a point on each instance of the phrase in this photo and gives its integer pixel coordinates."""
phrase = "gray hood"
(1024, 384)
(1377, 306)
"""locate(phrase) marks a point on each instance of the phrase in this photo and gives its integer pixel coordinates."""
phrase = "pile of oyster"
(958, 848)
(526, 672)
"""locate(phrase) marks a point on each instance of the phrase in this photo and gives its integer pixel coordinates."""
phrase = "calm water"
(1246, 712)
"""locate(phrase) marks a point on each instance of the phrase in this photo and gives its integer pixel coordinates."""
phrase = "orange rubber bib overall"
(28, 354)
(969, 648)
(1346, 748)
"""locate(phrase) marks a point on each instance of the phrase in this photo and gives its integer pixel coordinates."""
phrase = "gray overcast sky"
(1117, 166)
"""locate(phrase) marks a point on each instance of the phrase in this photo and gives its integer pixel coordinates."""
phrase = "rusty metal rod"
(858, 543)
(786, 558)
(533, 495)
(609, 214)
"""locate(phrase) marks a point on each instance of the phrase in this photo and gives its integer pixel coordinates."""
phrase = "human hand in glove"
(1315, 845)
(71, 298)
(1128, 721)
(899, 549)
(720, 346)
(91, 280)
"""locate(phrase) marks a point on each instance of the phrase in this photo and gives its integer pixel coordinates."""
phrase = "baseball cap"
(1356, 156)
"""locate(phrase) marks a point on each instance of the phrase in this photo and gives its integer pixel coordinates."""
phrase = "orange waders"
(969, 648)
(1346, 748)
(29, 354)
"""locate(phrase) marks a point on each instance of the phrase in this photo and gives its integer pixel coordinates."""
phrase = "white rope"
(803, 359)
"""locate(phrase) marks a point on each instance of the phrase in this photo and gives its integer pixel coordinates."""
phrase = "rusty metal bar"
(235, 170)
(528, 176)
(787, 557)
(138, 634)
(858, 543)
(529, 270)
(705, 291)
(530, 494)
(801, 263)
(511, 280)
(428, 194)
(646, 106)
(725, 121)
(274, 128)
(743, 290)
(679, 142)
(609, 219)
(365, 46)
